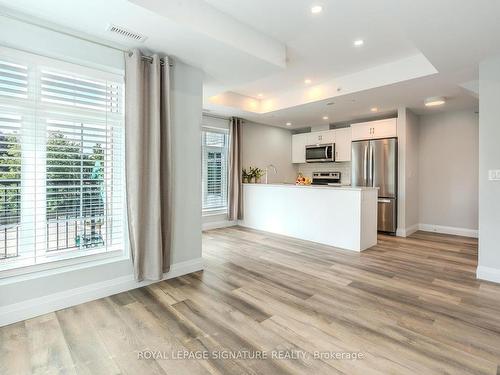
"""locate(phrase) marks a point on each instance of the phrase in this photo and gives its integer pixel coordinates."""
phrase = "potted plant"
(256, 174)
(245, 176)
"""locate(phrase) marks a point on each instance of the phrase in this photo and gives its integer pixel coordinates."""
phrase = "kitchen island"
(344, 217)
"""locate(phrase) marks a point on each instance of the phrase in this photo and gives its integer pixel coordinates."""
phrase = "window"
(61, 160)
(215, 169)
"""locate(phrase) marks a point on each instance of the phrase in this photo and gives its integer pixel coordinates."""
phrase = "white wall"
(401, 130)
(407, 129)
(262, 145)
(448, 170)
(187, 101)
(25, 296)
(489, 158)
(412, 172)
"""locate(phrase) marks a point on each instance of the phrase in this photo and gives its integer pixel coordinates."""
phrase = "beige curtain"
(235, 188)
(148, 164)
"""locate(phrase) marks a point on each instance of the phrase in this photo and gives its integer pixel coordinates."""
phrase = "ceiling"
(412, 50)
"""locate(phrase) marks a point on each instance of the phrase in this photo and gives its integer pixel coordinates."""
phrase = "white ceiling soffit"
(247, 47)
(202, 18)
(228, 52)
(357, 106)
(387, 74)
(472, 87)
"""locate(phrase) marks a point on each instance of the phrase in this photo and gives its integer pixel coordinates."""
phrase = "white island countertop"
(336, 187)
(340, 216)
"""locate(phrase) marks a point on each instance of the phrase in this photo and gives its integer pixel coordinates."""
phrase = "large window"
(61, 160)
(214, 165)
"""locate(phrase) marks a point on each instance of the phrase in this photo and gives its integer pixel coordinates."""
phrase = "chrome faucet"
(267, 170)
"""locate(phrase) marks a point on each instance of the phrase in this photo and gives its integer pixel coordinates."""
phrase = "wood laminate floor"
(410, 306)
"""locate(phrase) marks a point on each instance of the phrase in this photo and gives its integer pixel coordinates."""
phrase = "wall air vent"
(124, 33)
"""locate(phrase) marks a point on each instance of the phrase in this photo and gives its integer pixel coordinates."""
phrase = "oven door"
(320, 154)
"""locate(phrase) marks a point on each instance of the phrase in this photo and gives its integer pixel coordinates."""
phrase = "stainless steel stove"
(326, 178)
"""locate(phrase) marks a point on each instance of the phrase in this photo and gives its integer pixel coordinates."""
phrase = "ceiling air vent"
(124, 33)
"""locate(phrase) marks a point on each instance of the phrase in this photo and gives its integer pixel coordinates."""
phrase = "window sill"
(46, 267)
(214, 212)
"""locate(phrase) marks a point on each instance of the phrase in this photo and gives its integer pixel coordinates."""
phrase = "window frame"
(208, 211)
(35, 109)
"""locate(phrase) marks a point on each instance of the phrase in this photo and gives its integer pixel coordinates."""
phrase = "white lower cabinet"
(299, 142)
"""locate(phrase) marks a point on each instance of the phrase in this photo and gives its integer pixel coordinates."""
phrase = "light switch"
(494, 175)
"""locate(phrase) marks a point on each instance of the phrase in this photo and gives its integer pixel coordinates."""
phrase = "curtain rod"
(22, 19)
(162, 60)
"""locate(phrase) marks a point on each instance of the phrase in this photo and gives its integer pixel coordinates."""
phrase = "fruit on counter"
(301, 180)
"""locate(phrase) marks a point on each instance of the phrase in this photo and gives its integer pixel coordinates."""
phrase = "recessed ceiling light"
(260, 95)
(435, 101)
(288, 124)
(315, 9)
(307, 81)
(374, 109)
(325, 117)
(359, 42)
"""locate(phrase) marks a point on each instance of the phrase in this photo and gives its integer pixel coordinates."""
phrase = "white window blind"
(215, 169)
(61, 160)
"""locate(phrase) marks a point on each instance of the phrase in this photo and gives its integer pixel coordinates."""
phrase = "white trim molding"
(465, 232)
(218, 224)
(456, 231)
(488, 274)
(407, 231)
(42, 305)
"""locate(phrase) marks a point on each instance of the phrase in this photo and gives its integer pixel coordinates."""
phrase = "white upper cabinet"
(343, 144)
(321, 138)
(341, 138)
(374, 129)
(299, 142)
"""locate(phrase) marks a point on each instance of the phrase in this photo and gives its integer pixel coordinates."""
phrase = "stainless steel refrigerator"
(375, 163)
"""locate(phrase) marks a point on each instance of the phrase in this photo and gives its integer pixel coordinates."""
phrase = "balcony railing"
(10, 205)
(9, 241)
(62, 233)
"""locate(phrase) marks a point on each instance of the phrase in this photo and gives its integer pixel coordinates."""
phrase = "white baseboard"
(407, 231)
(38, 306)
(488, 274)
(218, 224)
(449, 230)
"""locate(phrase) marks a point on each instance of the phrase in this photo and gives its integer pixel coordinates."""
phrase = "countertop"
(289, 185)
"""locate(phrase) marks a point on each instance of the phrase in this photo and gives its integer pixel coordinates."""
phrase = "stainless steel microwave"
(320, 153)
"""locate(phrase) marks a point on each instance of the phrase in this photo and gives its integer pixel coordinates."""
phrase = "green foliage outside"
(75, 182)
(10, 175)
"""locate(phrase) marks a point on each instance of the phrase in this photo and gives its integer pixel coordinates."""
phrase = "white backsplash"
(307, 170)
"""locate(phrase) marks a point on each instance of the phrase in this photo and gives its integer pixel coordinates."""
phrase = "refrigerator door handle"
(370, 166)
(366, 165)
